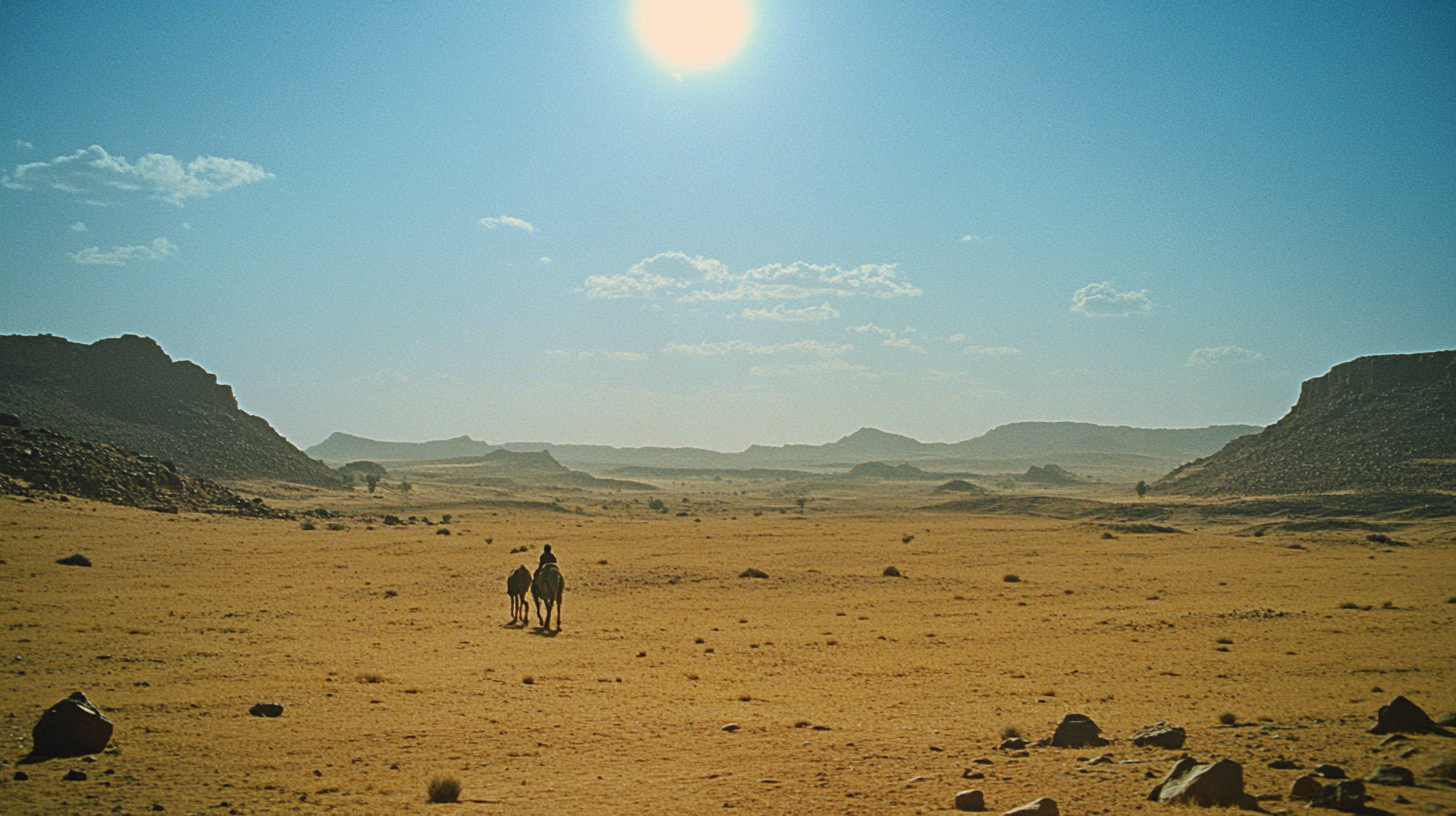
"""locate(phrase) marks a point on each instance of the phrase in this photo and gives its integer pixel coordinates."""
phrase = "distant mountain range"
(1112, 453)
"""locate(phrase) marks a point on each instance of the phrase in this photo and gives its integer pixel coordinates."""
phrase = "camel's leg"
(538, 613)
(558, 611)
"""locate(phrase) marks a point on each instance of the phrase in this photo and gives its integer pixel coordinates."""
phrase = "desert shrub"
(444, 789)
(1225, 641)
(1443, 768)
(391, 593)
(1227, 718)
(1108, 535)
(306, 525)
(445, 519)
(1010, 732)
(337, 526)
(907, 539)
(371, 677)
(528, 680)
(1011, 578)
(1378, 538)
(1451, 600)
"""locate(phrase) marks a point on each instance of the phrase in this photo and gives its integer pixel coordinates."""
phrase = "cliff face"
(126, 391)
(1376, 423)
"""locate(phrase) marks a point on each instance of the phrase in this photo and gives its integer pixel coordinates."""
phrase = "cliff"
(127, 392)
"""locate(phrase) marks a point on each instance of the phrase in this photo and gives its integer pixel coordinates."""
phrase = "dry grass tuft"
(444, 789)
(1011, 578)
(1227, 718)
(371, 677)
(1010, 732)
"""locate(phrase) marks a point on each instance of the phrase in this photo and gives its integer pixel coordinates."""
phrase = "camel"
(548, 586)
(516, 586)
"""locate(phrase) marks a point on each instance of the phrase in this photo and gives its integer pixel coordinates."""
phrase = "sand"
(392, 653)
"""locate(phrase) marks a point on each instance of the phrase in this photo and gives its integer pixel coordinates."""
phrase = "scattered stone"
(1329, 771)
(443, 531)
(20, 776)
(75, 776)
(1077, 731)
(77, 560)
(1305, 789)
(1401, 714)
(391, 520)
(970, 774)
(892, 572)
(1408, 753)
(1040, 807)
(1391, 775)
(1220, 784)
(1285, 765)
(1348, 796)
(1400, 800)
(72, 727)
(984, 761)
(753, 572)
(1012, 744)
(1105, 759)
(1395, 738)
(266, 710)
(730, 727)
(1160, 735)
(972, 800)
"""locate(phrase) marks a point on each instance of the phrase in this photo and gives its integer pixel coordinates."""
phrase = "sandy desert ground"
(391, 650)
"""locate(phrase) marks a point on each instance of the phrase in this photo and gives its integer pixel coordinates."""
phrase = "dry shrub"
(371, 677)
(1010, 732)
(306, 525)
(1227, 718)
(337, 526)
(444, 789)
(1011, 578)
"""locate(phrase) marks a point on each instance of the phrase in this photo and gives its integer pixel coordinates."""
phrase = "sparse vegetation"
(1142, 488)
(444, 789)
(1227, 718)
(337, 526)
(371, 677)
(372, 481)
(1010, 732)
(306, 525)
(445, 519)
(801, 501)
(1011, 578)
(907, 539)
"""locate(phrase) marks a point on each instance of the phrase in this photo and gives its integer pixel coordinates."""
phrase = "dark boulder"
(753, 572)
(9, 421)
(266, 710)
(77, 560)
(72, 727)
(1348, 796)
(1391, 775)
(891, 572)
(1161, 735)
(1077, 731)
(1401, 714)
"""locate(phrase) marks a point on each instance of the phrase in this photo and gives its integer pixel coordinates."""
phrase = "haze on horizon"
(537, 222)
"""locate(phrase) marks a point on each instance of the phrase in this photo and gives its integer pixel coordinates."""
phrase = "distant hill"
(904, 473)
(127, 392)
(1056, 440)
(504, 468)
(1381, 423)
(1051, 474)
(342, 447)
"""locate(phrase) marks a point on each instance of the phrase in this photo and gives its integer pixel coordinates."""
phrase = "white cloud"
(735, 346)
(93, 171)
(24, 145)
(808, 314)
(834, 367)
(889, 337)
(620, 356)
(958, 338)
(506, 221)
(119, 256)
(1223, 354)
(1101, 300)
(974, 238)
(545, 260)
(993, 351)
(695, 278)
(78, 227)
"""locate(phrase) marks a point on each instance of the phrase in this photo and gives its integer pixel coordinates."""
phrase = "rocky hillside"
(1384, 423)
(127, 392)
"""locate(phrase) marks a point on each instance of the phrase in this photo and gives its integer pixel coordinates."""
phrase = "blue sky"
(413, 221)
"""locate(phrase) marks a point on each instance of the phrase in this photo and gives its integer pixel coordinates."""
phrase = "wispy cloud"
(78, 227)
(1101, 300)
(545, 260)
(24, 145)
(120, 256)
(815, 347)
(94, 172)
(496, 222)
(689, 279)
(808, 314)
(974, 238)
(823, 367)
(993, 351)
(619, 356)
(889, 337)
(1223, 354)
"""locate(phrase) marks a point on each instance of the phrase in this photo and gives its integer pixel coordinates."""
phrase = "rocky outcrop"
(127, 392)
(1384, 423)
(72, 727)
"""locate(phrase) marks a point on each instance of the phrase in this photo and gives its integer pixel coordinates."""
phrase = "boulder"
(1305, 789)
(972, 800)
(1329, 771)
(1077, 731)
(753, 572)
(1161, 735)
(1348, 795)
(891, 572)
(76, 560)
(72, 727)
(1285, 765)
(1401, 714)
(1220, 784)
(1040, 807)
(266, 710)
(75, 776)
(1391, 775)
(9, 421)
(1012, 744)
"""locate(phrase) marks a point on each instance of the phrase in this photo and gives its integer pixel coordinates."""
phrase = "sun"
(693, 35)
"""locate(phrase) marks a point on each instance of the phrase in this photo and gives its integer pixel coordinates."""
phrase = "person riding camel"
(547, 557)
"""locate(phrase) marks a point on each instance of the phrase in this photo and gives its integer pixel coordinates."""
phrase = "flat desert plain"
(392, 651)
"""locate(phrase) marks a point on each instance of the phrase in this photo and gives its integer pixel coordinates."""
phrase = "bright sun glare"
(693, 35)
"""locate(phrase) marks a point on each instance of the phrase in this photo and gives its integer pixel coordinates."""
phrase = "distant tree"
(346, 477)
(1142, 488)
(405, 486)
(656, 504)
(371, 480)
(801, 501)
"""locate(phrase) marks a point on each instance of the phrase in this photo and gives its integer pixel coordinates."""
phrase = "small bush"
(337, 526)
(1227, 718)
(371, 677)
(445, 519)
(444, 789)
(528, 680)
(391, 593)
(907, 539)
(1011, 578)
(1010, 732)
(306, 525)
(1108, 535)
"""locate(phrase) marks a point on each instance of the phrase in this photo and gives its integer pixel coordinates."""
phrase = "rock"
(391, 520)
(443, 531)
(972, 800)
(1329, 771)
(1391, 775)
(9, 421)
(1394, 738)
(730, 727)
(1408, 753)
(77, 560)
(891, 572)
(970, 774)
(1077, 731)
(20, 776)
(72, 727)
(1161, 735)
(1449, 718)
(1285, 765)
(1040, 807)
(1220, 784)
(1305, 789)
(1401, 714)
(1348, 796)
(753, 572)
(1400, 800)
(75, 776)
(266, 710)
(1012, 744)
